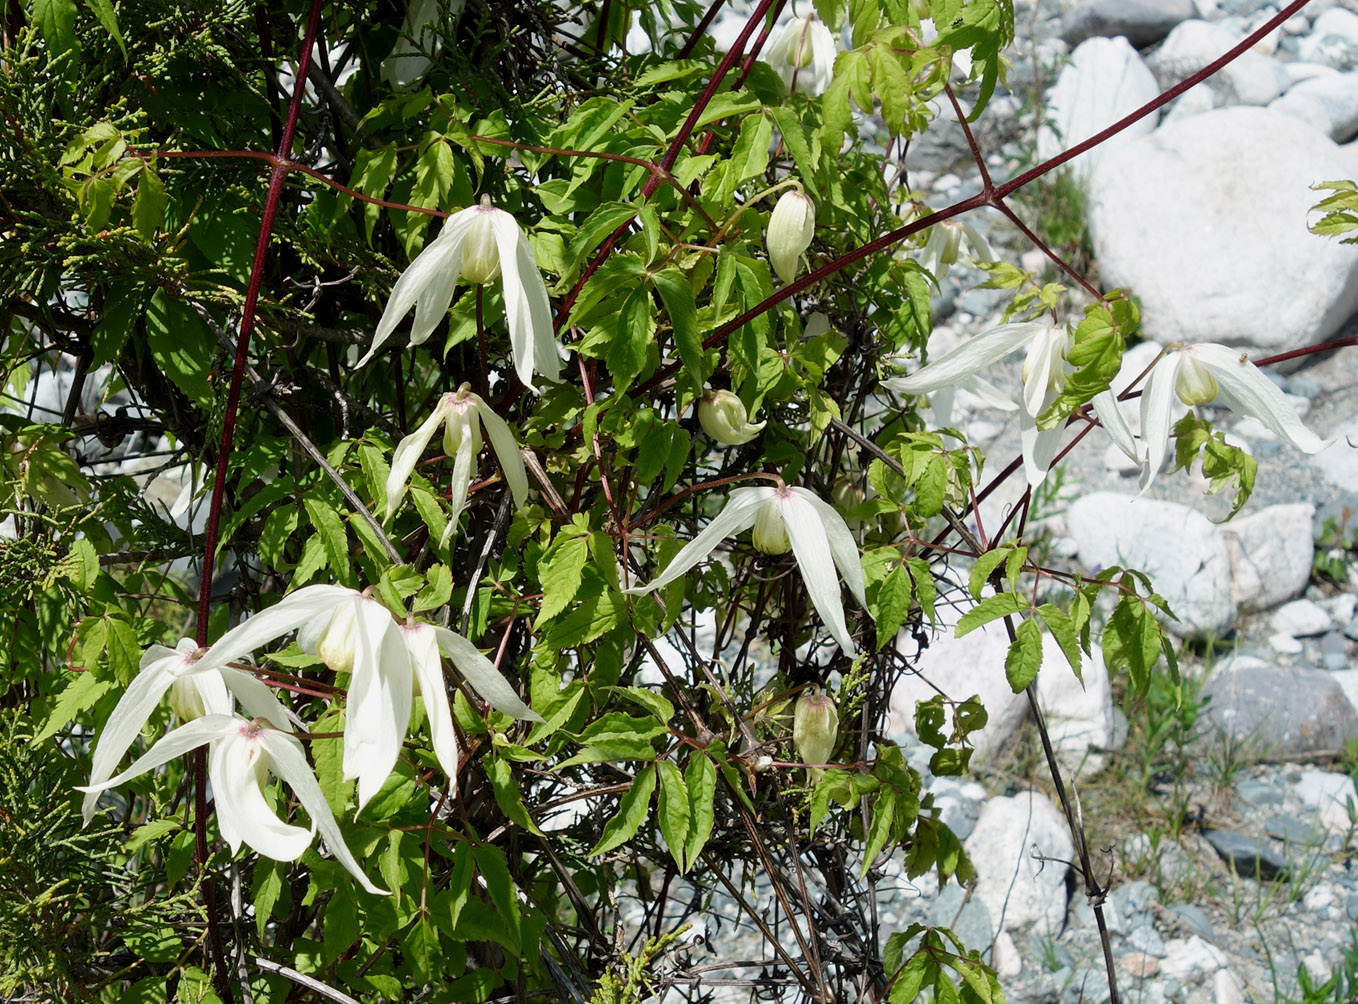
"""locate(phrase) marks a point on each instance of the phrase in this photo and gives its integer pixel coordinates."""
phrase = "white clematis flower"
(804, 43)
(387, 662)
(1203, 374)
(784, 518)
(944, 247)
(475, 245)
(241, 755)
(409, 59)
(1044, 374)
(194, 692)
(462, 415)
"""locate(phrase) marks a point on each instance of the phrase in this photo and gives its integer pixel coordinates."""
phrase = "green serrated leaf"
(672, 811)
(989, 609)
(1025, 656)
(631, 812)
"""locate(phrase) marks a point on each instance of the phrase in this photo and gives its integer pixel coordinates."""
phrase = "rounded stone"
(1205, 231)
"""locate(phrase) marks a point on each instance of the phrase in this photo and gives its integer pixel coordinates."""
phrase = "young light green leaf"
(701, 778)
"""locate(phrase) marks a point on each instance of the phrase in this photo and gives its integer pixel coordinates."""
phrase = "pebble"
(1301, 619)
(1248, 856)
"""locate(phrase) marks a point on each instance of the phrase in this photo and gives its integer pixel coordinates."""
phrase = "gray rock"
(1291, 830)
(1351, 630)
(1328, 104)
(1251, 79)
(1141, 21)
(1270, 709)
(1178, 218)
(1188, 958)
(1351, 907)
(1016, 888)
(1181, 550)
(1301, 619)
(1248, 856)
(972, 924)
(1104, 81)
(1329, 50)
(1270, 552)
(1194, 918)
(1260, 792)
(1147, 941)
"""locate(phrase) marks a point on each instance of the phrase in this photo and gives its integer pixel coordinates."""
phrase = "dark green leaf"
(631, 812)
(1025, 655)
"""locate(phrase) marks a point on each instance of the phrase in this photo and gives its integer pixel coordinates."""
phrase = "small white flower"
(724, 418)
(792, 224)
(241, 755)
(462, 415)
(941, 251)
(1206, 373)
(1044, 374)
(194, 691)
(784, 518)
(804, 43)
(475, 245)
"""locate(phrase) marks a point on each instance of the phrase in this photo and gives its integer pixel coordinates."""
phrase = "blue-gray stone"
(1260, 792)
(1351, 907)
(973, 925)
(1351, 630)
(1303, 386)
(1196, 919)
(1049, 955)
(1248, 856)
(1289, 829)
(1335, 661)
(1270, 709)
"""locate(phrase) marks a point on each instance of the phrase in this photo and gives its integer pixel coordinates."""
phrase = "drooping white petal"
(528, 312)
(843, 547)
(1114, 422)
(462, 473)
(435, 270)
(1247, 391)
(506, 451)
(1043, 367)
(288, 614)
(408, 452)
(481, 673)
(741, 510)
(806, 530)
(290, 764)
(823, 52)
(1039, 445)
(422, 645)
(237, 766)
(175, 743)
(980, 247)
(970, 357)
(378, 707)
(160, 666)
(1158, 408)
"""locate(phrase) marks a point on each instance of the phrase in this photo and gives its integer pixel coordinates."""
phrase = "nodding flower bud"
(1194, 383)
(791, 227)
(723, 417)
(815, 729)
(480, 251)
(770, 531)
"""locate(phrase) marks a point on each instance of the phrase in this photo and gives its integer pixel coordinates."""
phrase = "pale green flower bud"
(815, 729)
(791, 227)
(770, 532)
(1194, 383)
(186, 699)
(723, 417)
(338, 642)
(480, 252)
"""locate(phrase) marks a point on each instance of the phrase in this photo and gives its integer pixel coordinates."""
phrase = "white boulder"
(1207, 232)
